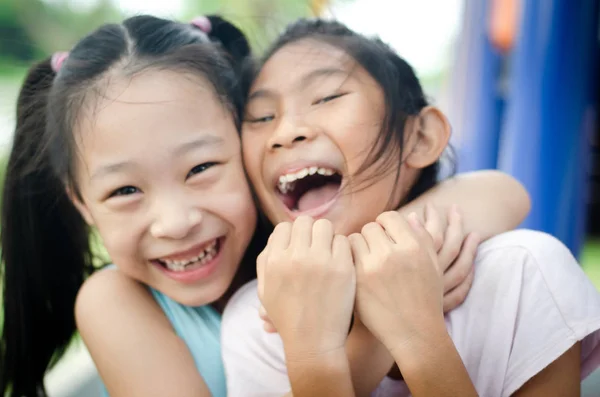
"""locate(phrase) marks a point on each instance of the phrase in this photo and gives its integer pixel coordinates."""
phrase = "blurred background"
(518, 79)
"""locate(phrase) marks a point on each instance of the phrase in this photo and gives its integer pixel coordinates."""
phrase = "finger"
(302, 233)
(457, 296)
(376, 237)
(394, 225)
(460, 270)
(280, 238)
(269, 328)
(433, 225)
(341, 250)
(419, 230)
(262, 313)
(322, 235)
(453, 240)
(359, 247)
(261, 261)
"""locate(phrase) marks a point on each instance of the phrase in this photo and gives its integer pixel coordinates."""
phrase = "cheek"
(233, 202)
(119, 236)
(252, 155)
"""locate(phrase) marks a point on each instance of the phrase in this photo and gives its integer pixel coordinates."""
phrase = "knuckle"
(323, 223)
(369, 227)
(304, 219)
(411, 246)
(387, 216)
(283, 226)
(438, 239)
(453, 251)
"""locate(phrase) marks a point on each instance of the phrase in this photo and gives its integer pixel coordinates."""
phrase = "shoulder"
(242, 309)
(535, 260)
(242, 329)
(132, 342)
(254, 360)
(246, 296)
(108, 291)
(537, 251)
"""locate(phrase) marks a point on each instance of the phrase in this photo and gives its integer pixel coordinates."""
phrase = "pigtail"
(233, 39)
(45, 249)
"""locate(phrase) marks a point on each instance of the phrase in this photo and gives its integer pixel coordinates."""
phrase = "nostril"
(276, 145)
(299, 139)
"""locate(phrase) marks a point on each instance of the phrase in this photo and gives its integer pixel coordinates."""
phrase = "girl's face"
(161, 178)
(313, 115)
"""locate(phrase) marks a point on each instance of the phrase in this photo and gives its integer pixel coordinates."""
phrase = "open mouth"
(309, 188)
(194, 261)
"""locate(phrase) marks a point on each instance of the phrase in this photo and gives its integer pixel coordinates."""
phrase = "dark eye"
(125, 191)
(201, 168)
(264, 119)
(327, 99)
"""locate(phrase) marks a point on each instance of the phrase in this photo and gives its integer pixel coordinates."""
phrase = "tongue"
(317, 197)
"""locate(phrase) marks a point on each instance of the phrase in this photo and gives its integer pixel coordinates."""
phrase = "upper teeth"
(287, 181)
(206, 255)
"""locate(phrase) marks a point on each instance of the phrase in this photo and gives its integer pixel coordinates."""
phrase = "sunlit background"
(443, 39)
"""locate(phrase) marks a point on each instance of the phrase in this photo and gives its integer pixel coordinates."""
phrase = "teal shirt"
(200, 329)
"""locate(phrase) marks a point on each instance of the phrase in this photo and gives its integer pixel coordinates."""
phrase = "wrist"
(431, 366)
(411, 351)
(320, 373)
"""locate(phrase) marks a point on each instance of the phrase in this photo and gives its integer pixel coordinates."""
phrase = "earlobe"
(429, 137)
(81, 207)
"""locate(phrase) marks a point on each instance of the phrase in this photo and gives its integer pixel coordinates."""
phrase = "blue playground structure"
(532, 109)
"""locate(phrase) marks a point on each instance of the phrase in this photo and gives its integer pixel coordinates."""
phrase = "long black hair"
(45, 242)
(403, 95)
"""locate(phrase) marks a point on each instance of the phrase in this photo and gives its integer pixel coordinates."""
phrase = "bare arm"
(491, 202)
(131, 341)
(431, 366)
(560, 378)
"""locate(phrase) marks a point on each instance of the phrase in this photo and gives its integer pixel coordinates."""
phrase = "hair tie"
(57, 60)
(202, 23)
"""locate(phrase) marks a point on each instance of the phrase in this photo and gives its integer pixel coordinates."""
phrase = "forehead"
(295, 60)
(153, 108)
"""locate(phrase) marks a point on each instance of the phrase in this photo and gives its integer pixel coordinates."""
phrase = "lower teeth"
(207, 258)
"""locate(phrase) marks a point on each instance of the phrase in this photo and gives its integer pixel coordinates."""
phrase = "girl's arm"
(491, 202)
(131, 341)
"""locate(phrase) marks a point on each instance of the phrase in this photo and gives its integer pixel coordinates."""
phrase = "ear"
(427, 137)
(81, 207)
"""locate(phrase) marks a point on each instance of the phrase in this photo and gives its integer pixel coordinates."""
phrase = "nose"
(175, 219)
(289, 133)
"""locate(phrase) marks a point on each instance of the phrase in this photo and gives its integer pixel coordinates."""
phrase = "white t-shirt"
(530, 302)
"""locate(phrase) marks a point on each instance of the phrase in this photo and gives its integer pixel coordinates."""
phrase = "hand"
(307, 284)
(456, 254)
(399, 286)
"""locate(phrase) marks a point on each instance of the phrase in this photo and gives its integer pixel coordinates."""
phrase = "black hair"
(45, 242)
(402, 91)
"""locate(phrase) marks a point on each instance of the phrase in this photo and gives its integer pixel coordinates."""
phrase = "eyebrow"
(206, 141)
(307, 79)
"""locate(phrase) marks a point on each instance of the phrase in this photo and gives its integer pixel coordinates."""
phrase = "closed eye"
(328, 98)
(125, 191)
(201, 168)
(264, 119)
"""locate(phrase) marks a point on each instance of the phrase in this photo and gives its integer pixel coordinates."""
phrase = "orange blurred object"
(317, 6)
(503, 23)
